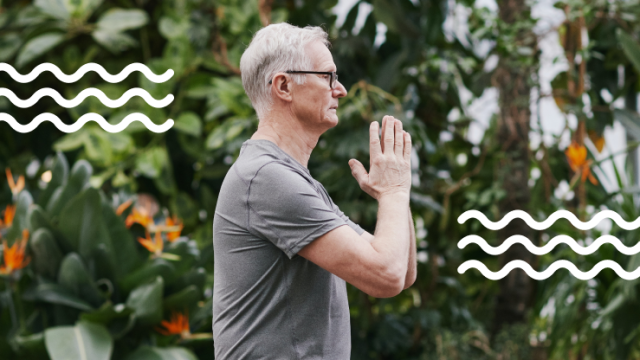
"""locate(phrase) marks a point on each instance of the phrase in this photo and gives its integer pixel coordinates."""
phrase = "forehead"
(320, 56)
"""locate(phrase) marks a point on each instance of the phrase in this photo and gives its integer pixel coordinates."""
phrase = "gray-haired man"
(269, 303)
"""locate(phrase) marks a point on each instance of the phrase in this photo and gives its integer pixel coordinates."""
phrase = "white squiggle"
(83, 95)
(564, 264)
(83, 120)
(15, 75)
(550, 220)
(560, 239)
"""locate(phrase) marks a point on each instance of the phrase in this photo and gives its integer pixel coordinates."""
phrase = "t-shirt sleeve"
(285, 208)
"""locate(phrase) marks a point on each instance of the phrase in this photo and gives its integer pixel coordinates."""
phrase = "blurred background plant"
(117, 250)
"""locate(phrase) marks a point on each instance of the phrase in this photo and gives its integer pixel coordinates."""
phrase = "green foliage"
(87, 270)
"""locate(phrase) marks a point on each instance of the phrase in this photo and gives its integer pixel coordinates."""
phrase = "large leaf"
(116, 20)
(46, 253)
(55, 8)
(9, 44)
(56, 294)
(81, 223)
(189, 123)
(79, 180)
(85, 341)
(113, 41)
(150, 270)
(75, 276)
(38, 46)
(146, 302)
(155, 353)
(124, 256)
(630, 47)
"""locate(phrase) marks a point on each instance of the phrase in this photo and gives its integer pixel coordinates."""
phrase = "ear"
(282, 87)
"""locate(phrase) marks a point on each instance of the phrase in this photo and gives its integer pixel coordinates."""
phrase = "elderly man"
(283, 249)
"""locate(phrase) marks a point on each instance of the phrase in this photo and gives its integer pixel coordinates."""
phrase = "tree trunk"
(513, 78)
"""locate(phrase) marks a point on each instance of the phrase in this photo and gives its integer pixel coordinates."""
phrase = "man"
(283, 250)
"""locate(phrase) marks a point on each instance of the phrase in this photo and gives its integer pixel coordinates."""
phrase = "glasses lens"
(334, 78)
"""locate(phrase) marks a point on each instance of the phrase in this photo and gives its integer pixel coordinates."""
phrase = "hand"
(390, 160)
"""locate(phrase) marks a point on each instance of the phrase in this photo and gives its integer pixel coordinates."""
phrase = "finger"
(407, 147)
(374, 140)
(384, 123)
(388, 137)
(358, 171)
(399, 140)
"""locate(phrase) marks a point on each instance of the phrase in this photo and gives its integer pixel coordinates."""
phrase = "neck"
(289, 134)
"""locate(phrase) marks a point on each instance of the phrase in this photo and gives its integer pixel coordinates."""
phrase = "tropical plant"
(74, 277)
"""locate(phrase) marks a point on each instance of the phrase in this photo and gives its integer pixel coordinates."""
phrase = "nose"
(339, 90)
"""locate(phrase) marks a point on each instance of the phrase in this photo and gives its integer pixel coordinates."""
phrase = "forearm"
(390, 240)
(412, 266)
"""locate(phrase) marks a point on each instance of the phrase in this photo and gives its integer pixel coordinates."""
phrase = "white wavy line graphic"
(83, 95)
(557, 240)
(83, 120)
(15, 75)
(564, 264)
(475, 214)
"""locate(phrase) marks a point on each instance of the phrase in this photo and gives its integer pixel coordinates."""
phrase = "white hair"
(276, 48)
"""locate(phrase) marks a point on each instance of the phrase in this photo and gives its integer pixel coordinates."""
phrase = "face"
(315, 102)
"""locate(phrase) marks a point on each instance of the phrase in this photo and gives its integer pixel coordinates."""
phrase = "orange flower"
(174, 221)
(14, 255)
(9, 213)
(155, 246)
(15, 187)
(140, 216)
(577, 158)
(123, 207)
(179, 325)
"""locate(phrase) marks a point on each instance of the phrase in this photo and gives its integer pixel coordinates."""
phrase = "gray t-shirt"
(269, 303)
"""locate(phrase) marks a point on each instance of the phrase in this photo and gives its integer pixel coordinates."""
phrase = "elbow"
(410, 280)
(391, 283)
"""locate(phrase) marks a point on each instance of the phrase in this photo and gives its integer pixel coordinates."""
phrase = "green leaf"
(75, 277)
(55, 8)
(630, 47)
(9, 44)
(38, 46)
(107, 313)
(189, 123)
(79, 180)
(187, 297)
(46, 253)
(123, 252)
(146, 302)
(151, 162)
(81, 342)
(116, 20)
(81, 223)
(155, 353)
(173, 29)
(82, 9)
(158, 267)
(56, 294)
(113, 41)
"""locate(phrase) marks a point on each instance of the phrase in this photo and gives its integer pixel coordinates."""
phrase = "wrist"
(394, 196)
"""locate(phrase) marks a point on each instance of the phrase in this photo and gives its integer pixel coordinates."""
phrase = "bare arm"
(378, 268)
(412, 270)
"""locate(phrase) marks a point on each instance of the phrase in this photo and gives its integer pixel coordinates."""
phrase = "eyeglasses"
(332, 80)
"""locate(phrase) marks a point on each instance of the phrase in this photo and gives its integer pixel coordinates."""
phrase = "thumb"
(358, 171)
